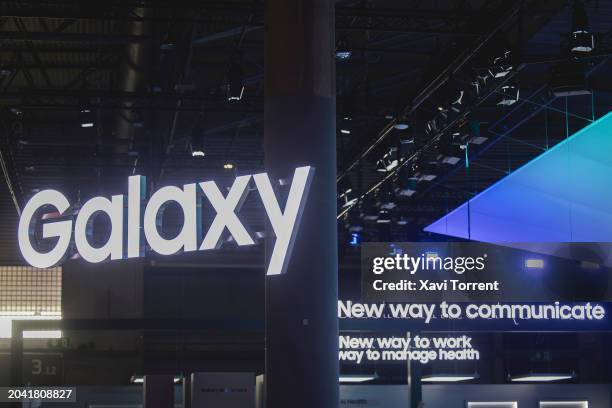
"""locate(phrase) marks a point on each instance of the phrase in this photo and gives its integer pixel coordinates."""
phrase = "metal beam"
(54, 49)
(62, 66)
(232, 32)
(145, 106)
(104, 94)
(442, 78)
(401, 20)
(73, 37)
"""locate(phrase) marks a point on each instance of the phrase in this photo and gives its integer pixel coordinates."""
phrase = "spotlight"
(343, 51)
(354, 223)
(197, 140)
(347, 196)
(443, 115)
(482, 78)
(401, 124)
(476, 86)
(479, 83)
(384, 217)
(235, 87)
(407, 190)
(449, 148)
(459, 99)
(582, 41)
(568, 79)
(228, 166)
(416, 164)
(86, 117)
(345, 128)
(402, 221)
(368, 212)
(368, 215)
(388, 162)
(406, 183)
(406, 147)
(343, 55)
(196, 151)
(468, 133)
(510, 95)
(502, 65)
(386, 199)
(432, 127)
(477, 140)
(455, 106)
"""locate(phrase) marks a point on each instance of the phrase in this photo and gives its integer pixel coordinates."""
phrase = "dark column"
(186, 390)
(158, 391)
(300, 128)
(415, 389)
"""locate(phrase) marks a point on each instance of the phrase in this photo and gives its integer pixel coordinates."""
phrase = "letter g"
(61, 229)
(377, 265)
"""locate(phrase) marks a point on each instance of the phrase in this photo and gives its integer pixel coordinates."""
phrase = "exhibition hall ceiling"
(93, 95)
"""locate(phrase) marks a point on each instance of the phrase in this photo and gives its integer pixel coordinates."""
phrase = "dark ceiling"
(154, 75)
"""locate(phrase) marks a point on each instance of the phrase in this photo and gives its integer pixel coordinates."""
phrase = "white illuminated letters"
(61, 229)
(83, 228)
(130, 223)
(284, 223)
(226, 213)
(187, 239)
(136, 195)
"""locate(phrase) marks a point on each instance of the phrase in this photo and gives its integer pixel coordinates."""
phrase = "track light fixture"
(347, 195)
(343, 50)
(406, 183)
(235, 86)
(582, 41)
(86, 116)
(388, 162)
(502, 65)
(197, 140)
(368, 209)
(384, 217)
(510, 95)
(386, 197)
(401, 124)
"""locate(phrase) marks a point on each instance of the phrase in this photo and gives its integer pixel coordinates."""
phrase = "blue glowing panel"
(563, 195)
